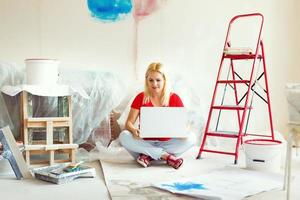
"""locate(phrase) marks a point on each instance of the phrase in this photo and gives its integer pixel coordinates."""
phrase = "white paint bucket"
(263, 154)
(42, 71)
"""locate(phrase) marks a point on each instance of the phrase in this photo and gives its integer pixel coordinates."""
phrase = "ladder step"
(222, 134)
(241, 56)
(220, 152)
(230, 107)
(238, 50)
(233, 81)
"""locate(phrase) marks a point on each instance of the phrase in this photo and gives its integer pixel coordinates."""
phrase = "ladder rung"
(220, 152)
(242, 56)
(237, 50)
(234, 81)
(221, 134)
(231, 107)
(260, 135)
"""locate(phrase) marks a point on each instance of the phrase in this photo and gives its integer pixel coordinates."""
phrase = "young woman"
(146, 150)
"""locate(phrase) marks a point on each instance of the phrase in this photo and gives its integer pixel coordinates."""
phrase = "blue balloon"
(109, 10)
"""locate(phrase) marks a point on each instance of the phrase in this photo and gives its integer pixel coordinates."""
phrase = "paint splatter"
(185, 186)
(109, 10)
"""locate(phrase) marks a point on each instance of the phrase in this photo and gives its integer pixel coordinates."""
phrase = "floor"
(95, 188)
(89, 188)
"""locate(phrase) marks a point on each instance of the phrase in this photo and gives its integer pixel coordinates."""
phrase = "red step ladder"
(241, 105)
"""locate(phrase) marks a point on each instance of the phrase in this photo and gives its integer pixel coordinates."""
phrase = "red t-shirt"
(137, 103)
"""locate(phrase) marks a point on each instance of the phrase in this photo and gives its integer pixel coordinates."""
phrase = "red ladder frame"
(250, 83)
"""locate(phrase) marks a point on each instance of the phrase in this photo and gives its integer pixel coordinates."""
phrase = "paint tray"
(56, 173)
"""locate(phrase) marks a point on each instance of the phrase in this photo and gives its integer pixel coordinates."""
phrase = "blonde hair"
(165, 95)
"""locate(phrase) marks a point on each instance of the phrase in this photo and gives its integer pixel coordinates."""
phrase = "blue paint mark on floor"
(109, 10)
(185, 186)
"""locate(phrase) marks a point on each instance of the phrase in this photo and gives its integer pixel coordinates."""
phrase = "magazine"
(61, 173)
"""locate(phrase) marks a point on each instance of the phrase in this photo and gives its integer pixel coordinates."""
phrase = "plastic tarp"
(90, 116)
(10, 74)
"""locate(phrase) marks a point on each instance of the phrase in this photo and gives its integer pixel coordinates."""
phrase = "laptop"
(163, 122)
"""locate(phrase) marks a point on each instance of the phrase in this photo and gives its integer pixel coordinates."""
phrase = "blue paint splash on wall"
(185, 186)
(109, 10)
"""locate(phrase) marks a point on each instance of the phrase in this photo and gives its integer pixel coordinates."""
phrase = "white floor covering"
(125, 179)
(33, 189)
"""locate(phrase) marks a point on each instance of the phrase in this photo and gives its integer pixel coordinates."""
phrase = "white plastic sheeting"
(55, 90)
(105, 91)
(293, 98)
(10, 74)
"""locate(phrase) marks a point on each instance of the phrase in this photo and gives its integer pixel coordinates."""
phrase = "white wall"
(187, 36)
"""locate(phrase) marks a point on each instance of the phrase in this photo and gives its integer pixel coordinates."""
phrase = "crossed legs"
(156, 150)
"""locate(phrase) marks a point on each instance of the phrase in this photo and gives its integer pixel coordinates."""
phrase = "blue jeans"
(155, 148)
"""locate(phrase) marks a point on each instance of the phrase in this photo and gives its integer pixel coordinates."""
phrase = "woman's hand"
(132, 117)
(136, 133)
